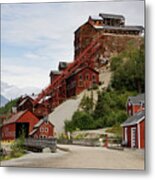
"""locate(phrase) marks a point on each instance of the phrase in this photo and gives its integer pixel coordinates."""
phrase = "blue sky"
(35, 37)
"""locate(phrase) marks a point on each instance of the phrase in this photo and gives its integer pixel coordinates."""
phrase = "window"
(46, 129)
(80, 83)
(80, 77)
(42, 129)
(87, 76)
(94, 77)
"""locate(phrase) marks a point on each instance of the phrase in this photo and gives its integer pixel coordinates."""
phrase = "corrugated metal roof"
(39, 123)
(134, 119)
(55, 72)
(137, 99)
(80, 69)
(94, 17)
(22, 102)
(129, 28)
(111, 16)
(14, 118)
(63, 64)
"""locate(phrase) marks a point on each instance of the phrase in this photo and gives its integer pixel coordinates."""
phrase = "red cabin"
(135, 104)
(134, 131)
(21, 122)
(43, 129)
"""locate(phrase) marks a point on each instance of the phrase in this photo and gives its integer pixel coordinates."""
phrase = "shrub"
(17, 148)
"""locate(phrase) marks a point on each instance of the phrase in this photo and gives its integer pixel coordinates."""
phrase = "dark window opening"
(22, 129)
(80, 76)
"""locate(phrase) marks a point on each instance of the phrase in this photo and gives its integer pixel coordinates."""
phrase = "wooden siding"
(46, 130)
(9, 130)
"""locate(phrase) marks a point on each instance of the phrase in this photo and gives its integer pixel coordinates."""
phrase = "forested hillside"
(7, 108)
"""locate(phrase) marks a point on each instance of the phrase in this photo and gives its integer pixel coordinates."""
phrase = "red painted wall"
(80, 84)
(41, 111)
(28, 117)
(136, 108)
(142, 134)
(129, 136)
(131, 110)
(86, 83)
(8, 132)
(53, 77)
(46, 130)
(83, 37)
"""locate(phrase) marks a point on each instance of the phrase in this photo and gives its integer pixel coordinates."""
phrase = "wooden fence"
(40, 144)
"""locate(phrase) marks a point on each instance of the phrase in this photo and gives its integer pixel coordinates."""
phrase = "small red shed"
(43, 129)
(19, 122)
(135, 104)
(134, 131)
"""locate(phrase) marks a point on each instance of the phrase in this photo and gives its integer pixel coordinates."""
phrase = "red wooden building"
(134, 131)
(20, 122)
(83, 78)
(43, 129)
(135, 104)
(25, 103)
(116, 35)
(53, 75)
(63, 65)
(40, 109)
(95, 42)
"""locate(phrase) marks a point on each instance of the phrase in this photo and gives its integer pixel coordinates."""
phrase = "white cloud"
(12, 91)
(23, 76)
(45, 34)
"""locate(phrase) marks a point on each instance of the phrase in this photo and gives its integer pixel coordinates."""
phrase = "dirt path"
(82, 157)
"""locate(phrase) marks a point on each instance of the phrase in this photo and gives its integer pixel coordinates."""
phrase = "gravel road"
(82, 157)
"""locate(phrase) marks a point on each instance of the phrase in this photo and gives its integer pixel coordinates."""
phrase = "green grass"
(116, 129)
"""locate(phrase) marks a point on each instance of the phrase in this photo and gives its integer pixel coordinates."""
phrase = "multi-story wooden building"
(96, 41)
(83, 78)
(116, 36)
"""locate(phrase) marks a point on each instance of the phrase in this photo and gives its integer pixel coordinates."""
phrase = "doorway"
(22, 129)
(133, 137)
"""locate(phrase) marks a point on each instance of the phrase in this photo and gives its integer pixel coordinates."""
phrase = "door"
(22, 129)
(133, 137)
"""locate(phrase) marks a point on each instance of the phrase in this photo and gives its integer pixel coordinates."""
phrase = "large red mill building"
(95, 42)
(116, 36)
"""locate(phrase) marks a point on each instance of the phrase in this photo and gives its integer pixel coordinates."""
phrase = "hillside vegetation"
(6, 110)
(128, 78)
